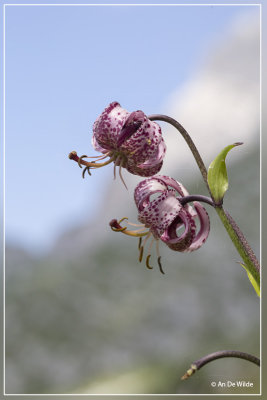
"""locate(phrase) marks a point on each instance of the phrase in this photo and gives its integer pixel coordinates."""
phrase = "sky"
(63, 66)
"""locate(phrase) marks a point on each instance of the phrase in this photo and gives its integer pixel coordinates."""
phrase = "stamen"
(150, 246)
(115, 226)
(122, 219)
(160, 266)
(116, 163)
(141, 252)
(121, 176)
(146, 239)
(147, 262)
(132, 224)
(139, 243)
(118, 229)
(73, 156)
(86, 169)
(159, 257)
(101, 157)
(96, 165)
(80, 158)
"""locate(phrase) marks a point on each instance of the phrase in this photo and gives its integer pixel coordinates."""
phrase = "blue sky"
(63, 66)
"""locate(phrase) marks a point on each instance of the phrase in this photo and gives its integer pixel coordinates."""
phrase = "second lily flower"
(163, 217)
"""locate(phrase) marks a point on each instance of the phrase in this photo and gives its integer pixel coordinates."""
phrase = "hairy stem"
(240, 243)
(196, 365)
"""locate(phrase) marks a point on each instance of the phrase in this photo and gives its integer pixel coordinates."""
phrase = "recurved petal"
(160, 212)
(96, 146)
(143, 144)
(141, 171)
(108, 125)
(157, 157)
(174, 184)
(171, 235)
(204, 228)
(145, 189)
(180, 189)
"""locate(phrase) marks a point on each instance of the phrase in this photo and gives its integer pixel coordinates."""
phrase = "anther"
(80, 158)
(160, 266)
(84, 170)
(147, 262)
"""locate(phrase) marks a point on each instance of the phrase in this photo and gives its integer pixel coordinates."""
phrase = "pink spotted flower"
(165, 215)
(129, 140)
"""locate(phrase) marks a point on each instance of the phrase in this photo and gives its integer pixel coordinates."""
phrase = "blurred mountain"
(220, 105)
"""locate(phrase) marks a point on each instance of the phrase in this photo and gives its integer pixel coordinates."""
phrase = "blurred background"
(82, 315)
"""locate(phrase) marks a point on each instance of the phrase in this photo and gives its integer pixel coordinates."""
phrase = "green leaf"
(217, 174)
(252, 280)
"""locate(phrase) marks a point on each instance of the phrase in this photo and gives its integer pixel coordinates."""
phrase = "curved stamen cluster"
(140, 233)
(130, 140)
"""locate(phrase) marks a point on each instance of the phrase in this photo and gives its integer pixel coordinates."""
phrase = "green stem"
(240, 243)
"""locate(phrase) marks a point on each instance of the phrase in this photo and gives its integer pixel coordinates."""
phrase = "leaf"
(217, 174)
(252, 280)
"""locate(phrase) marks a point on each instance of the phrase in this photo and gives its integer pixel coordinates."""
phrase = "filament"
(141, 252)
(120, 173)
(116, 163)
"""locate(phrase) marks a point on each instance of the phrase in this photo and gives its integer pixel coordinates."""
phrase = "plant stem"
(196, 197)
(240, 243)
(187, 138)
(196, 365)
(230, 225)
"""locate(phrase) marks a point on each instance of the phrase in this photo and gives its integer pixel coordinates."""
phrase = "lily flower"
(165, 215)
(129, 140)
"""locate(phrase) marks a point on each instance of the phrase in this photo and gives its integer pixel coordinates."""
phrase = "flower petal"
(159, 213)
(143, 144)
(157, 157)
(171, 237)
(180, 189)
(141, 171)
(96, 146)
(131, 125)
(108, 125)
(145, 189)
(204, 229)
(174, 184)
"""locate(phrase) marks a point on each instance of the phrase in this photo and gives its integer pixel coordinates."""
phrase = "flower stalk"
(187, 138)
(196, 365)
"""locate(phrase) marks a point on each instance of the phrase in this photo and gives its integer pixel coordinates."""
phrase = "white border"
(4, 175)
